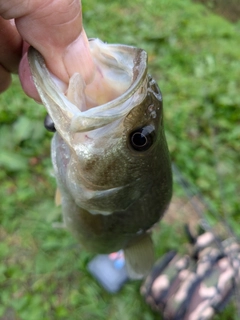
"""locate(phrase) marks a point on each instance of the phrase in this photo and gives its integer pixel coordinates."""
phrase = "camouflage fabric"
(194, 287)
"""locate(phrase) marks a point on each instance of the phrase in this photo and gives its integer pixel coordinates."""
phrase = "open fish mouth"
(68, 115)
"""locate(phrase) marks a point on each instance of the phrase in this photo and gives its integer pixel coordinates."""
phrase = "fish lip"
(88, 185)
(90, 199)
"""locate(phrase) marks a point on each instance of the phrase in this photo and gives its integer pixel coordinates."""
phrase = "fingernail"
(26, 79)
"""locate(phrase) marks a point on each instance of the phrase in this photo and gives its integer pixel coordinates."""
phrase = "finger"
(26, 76)
(54, 27)
(10, 46)
(77, 58)
(27, 80)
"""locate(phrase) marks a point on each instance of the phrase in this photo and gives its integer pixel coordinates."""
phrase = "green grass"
(194, 55)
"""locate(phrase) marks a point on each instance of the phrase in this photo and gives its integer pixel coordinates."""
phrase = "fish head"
(106, 156)
(117, 163)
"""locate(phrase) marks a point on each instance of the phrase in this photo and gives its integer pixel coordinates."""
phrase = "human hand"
(54, 28)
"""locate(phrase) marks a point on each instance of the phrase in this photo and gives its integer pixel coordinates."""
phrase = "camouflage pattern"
(229, 9)
(194, 287)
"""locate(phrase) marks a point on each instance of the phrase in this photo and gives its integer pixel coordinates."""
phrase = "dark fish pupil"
(142, 138)
(139, 140)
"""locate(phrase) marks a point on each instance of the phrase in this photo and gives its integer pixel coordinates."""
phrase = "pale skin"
(54, 28)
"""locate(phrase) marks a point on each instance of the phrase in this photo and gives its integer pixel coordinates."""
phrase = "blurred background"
(193, 53)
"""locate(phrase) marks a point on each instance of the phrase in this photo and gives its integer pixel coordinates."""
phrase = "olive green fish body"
(111, 161)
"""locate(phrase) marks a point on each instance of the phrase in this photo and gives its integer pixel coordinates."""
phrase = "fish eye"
(49, 124)
(142, 138)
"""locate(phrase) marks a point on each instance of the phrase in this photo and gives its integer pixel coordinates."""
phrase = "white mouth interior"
(112, 77)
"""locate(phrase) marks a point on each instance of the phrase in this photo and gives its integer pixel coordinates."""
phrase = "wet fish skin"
(112, 191)
(111, 232)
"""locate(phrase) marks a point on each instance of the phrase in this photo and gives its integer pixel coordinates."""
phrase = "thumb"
(54, 28)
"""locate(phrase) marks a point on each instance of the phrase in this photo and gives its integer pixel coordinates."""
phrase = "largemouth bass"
(109, 152)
